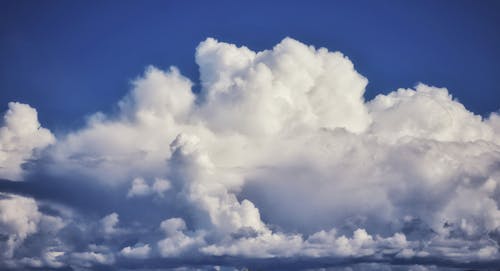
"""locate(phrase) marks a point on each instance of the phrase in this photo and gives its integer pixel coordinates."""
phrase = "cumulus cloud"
(278, 157)
(86, 259)
(138, 252)
(448, 120)
(140, 188)
(109, 223)
(177, 242)
(20, 136)
(20, 219)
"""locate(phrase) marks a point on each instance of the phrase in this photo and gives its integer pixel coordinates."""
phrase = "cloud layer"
(277, 162)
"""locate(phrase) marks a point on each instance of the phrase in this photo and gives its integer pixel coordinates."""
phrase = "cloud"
(20, 136)
(278, 160)
(401, 113)
(21, 219)
(290, 87)
(108, 224)
(140, 188)
(177, 241)
(138, 252)
(86, 258)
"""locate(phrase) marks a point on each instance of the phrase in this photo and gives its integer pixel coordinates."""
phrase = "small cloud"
(109, 223)
(140, 188)
(137, 252)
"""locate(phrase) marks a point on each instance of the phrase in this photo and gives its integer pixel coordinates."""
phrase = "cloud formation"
(20, 137)
(278, 160)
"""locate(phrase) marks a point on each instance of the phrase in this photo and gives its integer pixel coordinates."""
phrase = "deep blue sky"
(72, 58)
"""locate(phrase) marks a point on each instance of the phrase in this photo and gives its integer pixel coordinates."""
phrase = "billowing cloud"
(20, 136)
(21, 219)
(278, 160)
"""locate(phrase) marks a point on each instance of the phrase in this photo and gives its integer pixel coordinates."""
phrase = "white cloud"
(280, 156)
(140, 188)
(177, 241)
(20, 137)
(291, 87)
(109, 223)
(426, 112)
(136, 252)
(160, 186)
(20, 218)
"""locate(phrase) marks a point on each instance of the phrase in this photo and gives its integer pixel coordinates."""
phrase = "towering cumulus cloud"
(278, 163)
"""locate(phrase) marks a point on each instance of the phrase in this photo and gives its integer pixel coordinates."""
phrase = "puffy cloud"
(361, 244)
(113, 149)
(109, 223)
(140, 188)
(160, 186)
(290, 87)
(203, 187)
(426, 112)
(20, 137)
(137, 252)
(176, 241)
(21, 218)
(279, 156)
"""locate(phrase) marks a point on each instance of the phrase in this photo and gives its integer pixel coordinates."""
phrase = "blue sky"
(349, 135)
(72, 58)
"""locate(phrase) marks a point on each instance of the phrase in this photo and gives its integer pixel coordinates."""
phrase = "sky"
(225, 135)
(83, 54)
